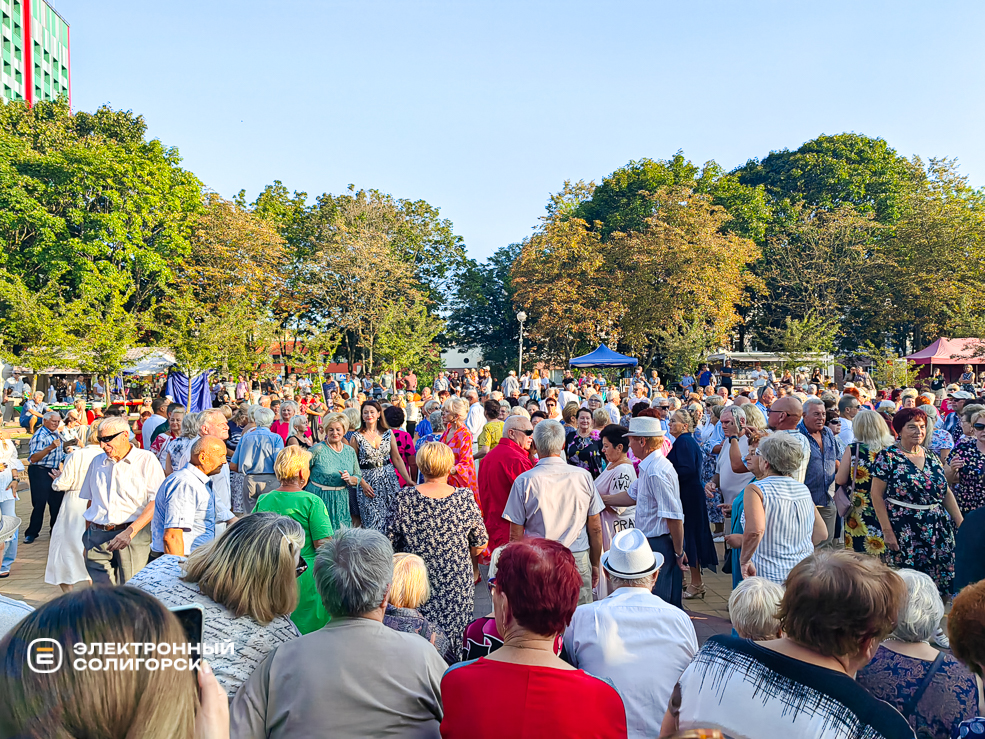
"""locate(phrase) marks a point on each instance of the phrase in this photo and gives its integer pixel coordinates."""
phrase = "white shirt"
(8, 456)
(120, 491)
(475, 420)
(847, 434)
(805, 446)
(614, 414)
(150, 426)
(729, 482)
(564, 397)
(220, 481)
(657, 493)
(639, 642)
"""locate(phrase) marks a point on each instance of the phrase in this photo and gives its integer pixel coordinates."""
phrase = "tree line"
(842, 245)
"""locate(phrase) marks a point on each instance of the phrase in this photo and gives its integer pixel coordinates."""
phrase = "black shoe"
(28, 539)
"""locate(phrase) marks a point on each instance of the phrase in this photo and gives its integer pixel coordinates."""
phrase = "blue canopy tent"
(604, 357)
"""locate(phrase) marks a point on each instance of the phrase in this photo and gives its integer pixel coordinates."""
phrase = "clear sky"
(484, 108)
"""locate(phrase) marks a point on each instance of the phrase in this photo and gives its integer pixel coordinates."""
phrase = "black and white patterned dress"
(379, 474)
(441, 531)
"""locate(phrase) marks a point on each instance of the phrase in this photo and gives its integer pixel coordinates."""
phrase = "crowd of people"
(337, 536)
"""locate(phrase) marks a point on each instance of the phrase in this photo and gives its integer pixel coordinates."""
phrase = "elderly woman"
(190, 428)
(409, 590)
(288, 409)
(780, 523)
(937, 441)
(291, 499)
(164, 701)
(966, 628)
(967, 379)
(686, 457)
(753, 606)
(583, 448)
(300, 432)
(492, 431)
(380, 460)
(747, 688)
(441, 523)
(436, 423)
(334, 469)
(423, 427)
(245, 581)
(916, 509)
(862, 531)
(932, 690)
(966, 469)
(458, 438)
(66, 564)
(523, 688)
(160, 444)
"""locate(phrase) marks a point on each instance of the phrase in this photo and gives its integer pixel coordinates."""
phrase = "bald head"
(208, 454)
(785, 414)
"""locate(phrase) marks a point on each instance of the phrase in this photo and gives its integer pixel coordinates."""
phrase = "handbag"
(843, 498)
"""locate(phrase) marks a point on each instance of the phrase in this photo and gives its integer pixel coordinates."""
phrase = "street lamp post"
(521, 317)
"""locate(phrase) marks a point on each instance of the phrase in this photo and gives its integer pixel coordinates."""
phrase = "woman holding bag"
(862, 531)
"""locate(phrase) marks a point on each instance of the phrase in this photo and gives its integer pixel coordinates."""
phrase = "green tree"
(103, 330)
(34, 329)
(802, 341)
(406, 335)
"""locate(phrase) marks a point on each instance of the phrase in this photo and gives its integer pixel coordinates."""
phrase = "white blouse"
(8, 456)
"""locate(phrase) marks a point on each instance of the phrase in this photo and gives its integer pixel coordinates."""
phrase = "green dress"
(309, 511)
(326, 480)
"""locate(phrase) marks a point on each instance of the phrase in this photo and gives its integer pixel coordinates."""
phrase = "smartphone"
(192, 617)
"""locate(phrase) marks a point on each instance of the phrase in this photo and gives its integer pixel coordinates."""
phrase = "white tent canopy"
(148, 360)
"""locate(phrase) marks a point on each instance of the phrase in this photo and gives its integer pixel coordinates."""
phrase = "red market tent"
(951, 351)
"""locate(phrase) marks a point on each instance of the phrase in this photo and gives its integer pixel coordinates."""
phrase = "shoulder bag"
(843, 496)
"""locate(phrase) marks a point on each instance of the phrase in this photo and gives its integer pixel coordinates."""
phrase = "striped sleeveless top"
(789, 525)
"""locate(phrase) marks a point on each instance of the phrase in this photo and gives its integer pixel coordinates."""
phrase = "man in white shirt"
(568, 395)
(511, 384)
(848, 408)
(558, 501)
(612, 407)
(657, 497)
(476, 417)
(185, 503)
(213, 423)
(160, 408)
(632, 637)
(121, 485)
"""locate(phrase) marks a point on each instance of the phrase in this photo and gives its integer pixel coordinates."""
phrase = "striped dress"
(789, 525)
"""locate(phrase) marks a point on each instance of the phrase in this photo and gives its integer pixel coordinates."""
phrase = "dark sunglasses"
(529, 432)
(979, 427)
(301, 568)
(108, 439)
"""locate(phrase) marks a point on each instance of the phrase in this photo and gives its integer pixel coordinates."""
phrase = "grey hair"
(520, 411)
(514, 422)
(290, 404)
(812, 400)
(549, 438)
(753, 606)
(262, 417)
(923, 609)
(472, 394)
(354, 415)
(431, 406)
(847, 401)
(870, 429)
(111, 425)
(190, 426)
(298, 421)
(56, 414)
(737, 411)
(353, 572)
(458, 406)
(782, 453)
(639, 582)
(437, 422)
(210, 415)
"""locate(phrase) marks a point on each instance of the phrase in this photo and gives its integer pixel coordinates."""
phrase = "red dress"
(486, 699)
(463, 473)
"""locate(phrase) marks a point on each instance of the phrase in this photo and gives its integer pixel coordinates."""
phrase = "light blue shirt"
(716, 438)
(184, 501)
(257, 451)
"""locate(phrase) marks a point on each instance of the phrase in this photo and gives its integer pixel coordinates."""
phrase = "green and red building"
(35, 51)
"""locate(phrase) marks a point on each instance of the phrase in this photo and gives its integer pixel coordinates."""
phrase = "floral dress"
(970, 489)
(441, 531)
(862, 531)
(586, 452)
(463, 473)
(925, 536)
(379, 474)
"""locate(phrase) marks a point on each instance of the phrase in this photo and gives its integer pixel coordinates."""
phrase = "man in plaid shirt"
(47, 455)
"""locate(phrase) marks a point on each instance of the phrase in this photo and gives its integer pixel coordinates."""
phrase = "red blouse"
(463, 473)
(486, 699)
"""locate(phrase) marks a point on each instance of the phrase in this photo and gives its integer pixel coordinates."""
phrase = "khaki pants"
(585, 568)
(115, 568)
(254, 486)
(829, 514)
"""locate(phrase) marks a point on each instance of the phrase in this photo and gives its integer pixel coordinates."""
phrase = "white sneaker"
(940, 639)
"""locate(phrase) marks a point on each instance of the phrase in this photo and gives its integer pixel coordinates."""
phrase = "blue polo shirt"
(257, 451)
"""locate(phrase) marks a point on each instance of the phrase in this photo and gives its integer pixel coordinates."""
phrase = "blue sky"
(484, 108)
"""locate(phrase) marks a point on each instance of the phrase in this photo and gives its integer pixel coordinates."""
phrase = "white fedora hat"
(8, 525)
(630, 557)
(645, 427)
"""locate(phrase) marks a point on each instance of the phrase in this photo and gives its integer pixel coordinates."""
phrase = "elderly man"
(639, 396)
(556, 500)
(766, 397)
(254, 457)
(784, 417)
(156, 424)
(612, 407)
(440, 382)
(355, 677)
(657, 497)
(46, 457)
(567, 395)
(511, 385)
(821, 466)
(32, 412)
(212, 422)
(632, 637)
(476, 417)
(185, 503)
(506, 461)
(120, 486)
(956, 402)
(662, 407)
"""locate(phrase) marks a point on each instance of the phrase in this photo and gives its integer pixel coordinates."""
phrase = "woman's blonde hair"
(457, 406)
(340, 418)
(435, 459)
(754, 417)
(570, 412)
(251, 568)
(869, 428)
(93, 436)
(410, 587)
(600, 418)
(354, 415)
(290, 463)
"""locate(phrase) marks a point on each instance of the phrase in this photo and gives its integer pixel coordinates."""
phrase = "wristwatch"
(680, 556)
(733, 438)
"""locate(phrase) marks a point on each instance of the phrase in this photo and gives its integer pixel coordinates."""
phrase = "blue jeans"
(10, 552)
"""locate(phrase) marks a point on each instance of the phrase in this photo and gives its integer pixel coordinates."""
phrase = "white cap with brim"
(962, 395)
(630, 556)
(645, 427)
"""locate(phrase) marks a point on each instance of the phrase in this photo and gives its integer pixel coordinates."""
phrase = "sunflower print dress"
(925, 535)
(862, 532)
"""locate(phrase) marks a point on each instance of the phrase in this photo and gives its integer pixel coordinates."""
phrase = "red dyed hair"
(906, 415)
(541, 581)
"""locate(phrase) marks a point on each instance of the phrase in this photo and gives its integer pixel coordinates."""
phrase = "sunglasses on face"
(979, 427)
(108, 439)
(301, 568)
